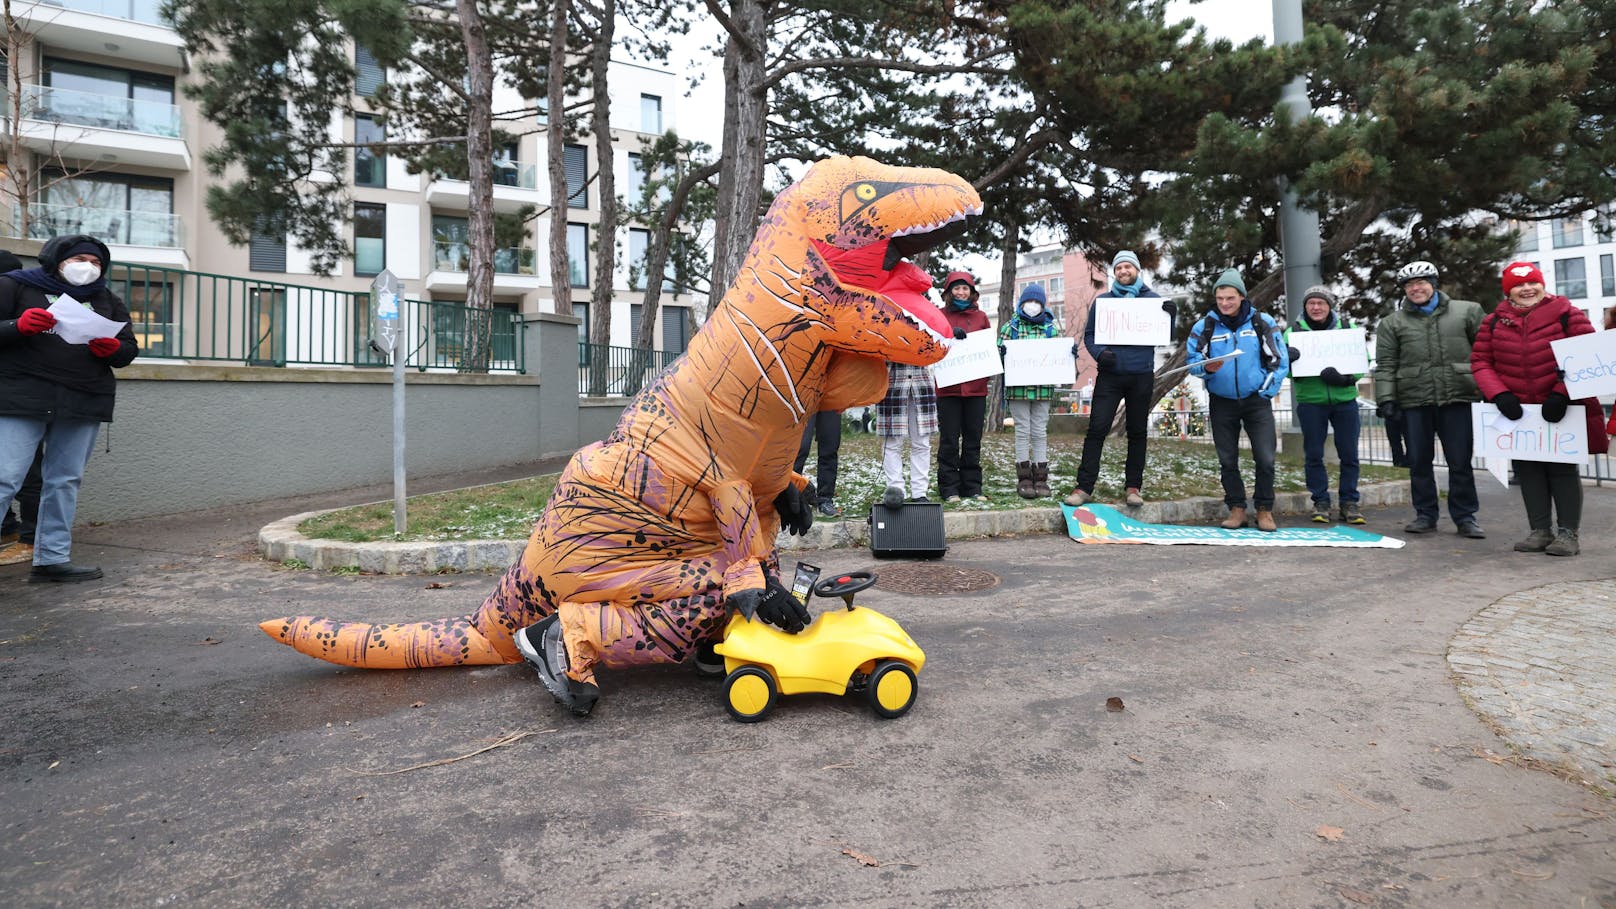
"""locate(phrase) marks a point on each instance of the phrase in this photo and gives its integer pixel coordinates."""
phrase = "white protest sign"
(1589, 362)
(1531, 438)
(1039, 361)
(974, 357)
(1140, 322)
(79, 324)
(1343, 348)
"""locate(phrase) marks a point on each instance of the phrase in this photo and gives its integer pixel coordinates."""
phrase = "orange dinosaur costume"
(650, 532)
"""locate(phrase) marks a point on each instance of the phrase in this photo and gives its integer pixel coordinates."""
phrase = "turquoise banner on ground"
(1104, 524)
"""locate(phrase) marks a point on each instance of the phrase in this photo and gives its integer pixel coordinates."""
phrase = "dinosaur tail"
(411, 645)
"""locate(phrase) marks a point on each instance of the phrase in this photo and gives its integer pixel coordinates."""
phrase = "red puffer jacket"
(1512, 354)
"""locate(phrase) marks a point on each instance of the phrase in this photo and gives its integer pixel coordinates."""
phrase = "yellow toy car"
(855, 649)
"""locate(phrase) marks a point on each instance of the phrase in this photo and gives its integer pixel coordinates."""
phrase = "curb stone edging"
(280, 540)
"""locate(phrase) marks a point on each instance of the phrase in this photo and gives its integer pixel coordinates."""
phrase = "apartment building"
(102, 105)
(1577, 258)
(1070, 282)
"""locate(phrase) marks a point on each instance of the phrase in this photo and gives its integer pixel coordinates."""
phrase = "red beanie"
(1517, 273)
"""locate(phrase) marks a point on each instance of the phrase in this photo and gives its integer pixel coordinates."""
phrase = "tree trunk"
(555, 135)
(600, 313)
(746, 107)
(480, 166)
(19, 158)
(1007, 309)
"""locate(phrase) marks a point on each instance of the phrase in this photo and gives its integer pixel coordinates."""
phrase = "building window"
(508, 164)
(368, 74)
(580, 311)
(370, 238)
(639, 244)
(267, 250)
(1571, 278)
(113, 208)
(635, 312)
(1567, 232)
(451, 243)
(370, 165)
(1525, 235)
(108, 98)
(636, 179)
(675, 329)
(578, 255)
(576, 159)
(651, 114)
(1607, 276)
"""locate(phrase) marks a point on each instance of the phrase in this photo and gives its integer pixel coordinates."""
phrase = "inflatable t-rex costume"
(650, 533)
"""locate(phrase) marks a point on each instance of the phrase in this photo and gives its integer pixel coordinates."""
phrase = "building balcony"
(103, 128)
(515, 185)
(515, 268)
(140, 237)
(131, 30)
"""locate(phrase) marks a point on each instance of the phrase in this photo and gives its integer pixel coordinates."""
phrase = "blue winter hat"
(1127, 256)
(1034, 292)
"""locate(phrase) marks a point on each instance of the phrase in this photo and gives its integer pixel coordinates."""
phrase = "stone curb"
(280, 540)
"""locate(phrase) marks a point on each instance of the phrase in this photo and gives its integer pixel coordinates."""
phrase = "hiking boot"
(1536, 541)
(542, 645)
(709, 665)
(1321, 512)
(1420, 525)
(1134, 499)
(1040, 480)
(1236, 518)
(1350, 513)
(1265, 521)
(17, 555)
(1024, 486)
(1472, 530)
(828, 508)
(1077, 498)
(951, 499)
(893, 497)
(63, 572)
(1565, 544)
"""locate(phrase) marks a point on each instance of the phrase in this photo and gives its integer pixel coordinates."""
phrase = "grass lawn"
(1173, 470)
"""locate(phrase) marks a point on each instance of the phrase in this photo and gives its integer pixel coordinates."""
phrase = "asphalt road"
(1291, 736)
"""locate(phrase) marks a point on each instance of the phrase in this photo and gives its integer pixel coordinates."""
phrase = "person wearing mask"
(1422, 375)
(1029, 404)
(57, 392)
(1325, 403)
(1126, 376)
(1240, 393)
(1514, 364)
(962, 408)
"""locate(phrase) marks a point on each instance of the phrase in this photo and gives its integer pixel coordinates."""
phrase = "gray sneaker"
(543, 646)
(1565, 544)
(1536, 541)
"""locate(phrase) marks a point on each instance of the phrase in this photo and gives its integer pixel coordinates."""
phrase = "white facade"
(1577, 260)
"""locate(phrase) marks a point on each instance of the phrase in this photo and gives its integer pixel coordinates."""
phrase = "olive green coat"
(1424, 360)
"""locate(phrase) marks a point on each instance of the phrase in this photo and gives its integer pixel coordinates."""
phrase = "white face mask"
(80, 273)
(1033, 310)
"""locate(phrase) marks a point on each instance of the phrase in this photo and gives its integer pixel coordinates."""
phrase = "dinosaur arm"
(853, 380)
(743, 542)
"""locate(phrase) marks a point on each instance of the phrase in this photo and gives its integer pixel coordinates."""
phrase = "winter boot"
(1078, 497)
(1536, 541)
(1236, 518)
(1350, 514)
(1265, 521)
(1040, 480)
(1024, 487)
(1565, 543)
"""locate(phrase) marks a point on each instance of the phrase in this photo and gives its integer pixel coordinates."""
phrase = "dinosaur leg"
(638, 634)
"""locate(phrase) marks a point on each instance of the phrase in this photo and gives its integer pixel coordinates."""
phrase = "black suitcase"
(913, 530)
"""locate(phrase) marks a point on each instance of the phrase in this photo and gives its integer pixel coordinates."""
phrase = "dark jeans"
(1544, 485)
(26, 517)
(1317, 420)
(1256, 414)
(1110, 389)
(826, 427)
(959, 450)
(1451, 424)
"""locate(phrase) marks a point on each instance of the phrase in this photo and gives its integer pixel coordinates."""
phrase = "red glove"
(34, 321)
(104, 347)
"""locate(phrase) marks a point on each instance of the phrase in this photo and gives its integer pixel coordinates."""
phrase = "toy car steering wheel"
(845, 585)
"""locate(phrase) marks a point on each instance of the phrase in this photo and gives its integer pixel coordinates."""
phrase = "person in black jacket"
(57, 392)
(17, 525)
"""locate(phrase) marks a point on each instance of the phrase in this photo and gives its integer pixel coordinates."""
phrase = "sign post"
(385, 293)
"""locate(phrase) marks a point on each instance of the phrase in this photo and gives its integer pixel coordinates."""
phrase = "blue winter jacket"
(1244, 375)
(1131, 359)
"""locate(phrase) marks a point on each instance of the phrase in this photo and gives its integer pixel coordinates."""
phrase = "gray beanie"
(1128, 256)
(1231, 278)
(1323, 293)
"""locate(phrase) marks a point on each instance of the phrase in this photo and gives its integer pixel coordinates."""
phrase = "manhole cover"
(933, 579)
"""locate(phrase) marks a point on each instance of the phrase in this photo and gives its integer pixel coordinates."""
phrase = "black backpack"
(1268, 352)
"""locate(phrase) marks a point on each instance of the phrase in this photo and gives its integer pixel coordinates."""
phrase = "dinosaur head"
(861, 219)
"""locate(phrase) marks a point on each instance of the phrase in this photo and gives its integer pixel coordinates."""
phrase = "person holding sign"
(1514, 364)
(1328, 400)
(1029, 404)
(961, 408)
(55, 391)
(1234, 351)
(1126, 375)
(1422, 374)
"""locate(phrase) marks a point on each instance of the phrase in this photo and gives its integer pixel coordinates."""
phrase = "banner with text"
(1039, 361)
(1104, 524)
(1589, 362)
(976, 357)
(1343, 348)
(1131, 321)
(1531, 438)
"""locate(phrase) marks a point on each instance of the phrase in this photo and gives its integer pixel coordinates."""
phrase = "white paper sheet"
(79, 324)
(1039, 361)
(976, 357)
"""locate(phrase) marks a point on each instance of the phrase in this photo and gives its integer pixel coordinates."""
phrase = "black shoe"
(1420, 525)
(1472, 530)
(709, 665)
(917, 500)
(542, 646)
(63, 572)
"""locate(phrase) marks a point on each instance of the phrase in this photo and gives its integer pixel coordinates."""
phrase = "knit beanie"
(1323, 293)
(1231, 278)
(1518, 273)
(83, 247)
(1125, 256)
(1033, 292)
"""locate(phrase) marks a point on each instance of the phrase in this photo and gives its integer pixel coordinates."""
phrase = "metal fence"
(604, 370)
(192, 315)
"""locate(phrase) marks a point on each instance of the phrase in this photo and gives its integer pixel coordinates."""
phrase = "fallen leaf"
(359, 796)
(1136, 759)
(437, 585)
(1532, 876)
(211, 640)
(1114, 705)
(861, 858)
(1326, 832)
(1357, 896)
(419, 704)
(54, 765)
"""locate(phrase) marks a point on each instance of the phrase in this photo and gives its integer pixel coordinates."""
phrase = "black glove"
(1107, 360)
(796, 508)
(1171, 308)
(1510, 406)
(959, 334)
(1554, 406)
(1388, 411)
(1332, 376)
(773, 604)
(1077, 350)
(1001, 351)
(1294, 354)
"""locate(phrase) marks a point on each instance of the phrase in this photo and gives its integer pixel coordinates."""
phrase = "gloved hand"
(104, 347)
(1293, 353)
(1108, 360)
(1212, 367)
(34, 321)
(796, 507)
(1171, 308)
(773, 604)
(1333, 376)
(1001, 351)
(959, 334)
(1554, 407)
(1388, 410)
(1510, 406)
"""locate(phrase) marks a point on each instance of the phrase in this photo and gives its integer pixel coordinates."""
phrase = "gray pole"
(1298, 226)
(400, 354)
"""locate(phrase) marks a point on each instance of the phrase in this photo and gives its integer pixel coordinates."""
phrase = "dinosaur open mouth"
(881, 267)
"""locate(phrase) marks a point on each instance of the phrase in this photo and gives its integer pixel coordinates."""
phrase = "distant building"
(1578, 259)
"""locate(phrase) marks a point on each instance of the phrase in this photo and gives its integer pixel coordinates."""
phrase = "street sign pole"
(386, 294)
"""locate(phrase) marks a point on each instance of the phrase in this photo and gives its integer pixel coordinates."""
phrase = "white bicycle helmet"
(1415, 270)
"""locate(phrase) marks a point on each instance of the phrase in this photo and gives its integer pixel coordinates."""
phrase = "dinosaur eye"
(865, 192)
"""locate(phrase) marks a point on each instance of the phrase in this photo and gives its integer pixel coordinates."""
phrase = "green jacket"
(1314, 390)
(1424, 360)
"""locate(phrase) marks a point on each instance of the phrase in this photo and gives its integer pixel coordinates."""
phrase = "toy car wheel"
(749, 694)
(892, 689)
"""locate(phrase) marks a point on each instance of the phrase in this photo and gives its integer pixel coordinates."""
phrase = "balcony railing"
(60, 105)
(131, 228)
(448, 255)
(513, 173)
(147, 11)
(606, 370)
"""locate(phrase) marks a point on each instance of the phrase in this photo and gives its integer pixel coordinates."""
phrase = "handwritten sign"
(1589, 362)
(1039, 361)
(1131, 321)
(1531, 438)
(975, 357)
(1343, 348)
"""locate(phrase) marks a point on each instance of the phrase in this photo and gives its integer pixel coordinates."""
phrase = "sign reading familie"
(1039, 361)
(974, 357)
(1343, 348)
(1589, 362)
(1531, 438)
(1139, 322)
